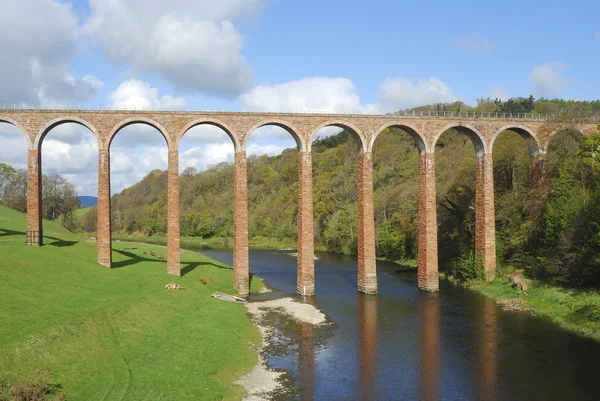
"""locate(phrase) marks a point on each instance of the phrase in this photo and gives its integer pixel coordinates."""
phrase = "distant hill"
(88, 201)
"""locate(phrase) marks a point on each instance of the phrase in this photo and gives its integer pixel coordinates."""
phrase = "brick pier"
(425, 129)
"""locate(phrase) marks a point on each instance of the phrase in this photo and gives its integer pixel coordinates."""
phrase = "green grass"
(578, 311)
(195, 242)
(117, 334)
(81, 212)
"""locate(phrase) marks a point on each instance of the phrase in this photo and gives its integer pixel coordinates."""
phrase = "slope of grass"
(117, 334)
(81, 212)
(576, 310)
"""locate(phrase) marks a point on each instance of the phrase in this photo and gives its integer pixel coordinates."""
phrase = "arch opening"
(206, 184)
(138, 182)
(396, 152)
(512, 150)
(418, 140)
(13, 169)
(455, 176)
(69, 157)
(474, 136)
(530, 139)
(272, 166)
(334, 129)
(70, 121)
(143, 127)
(335, 150)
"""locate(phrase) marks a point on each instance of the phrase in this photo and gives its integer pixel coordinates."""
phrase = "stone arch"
(214, 122)
(64, 120)
(410, 129)
(293, 131)
(138, 120)
(471, 132)
(364, 148)
(19, 126)
(528, 136)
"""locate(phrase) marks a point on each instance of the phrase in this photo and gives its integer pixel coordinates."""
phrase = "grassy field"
(117, 334)
(578, 311)
(81, 212)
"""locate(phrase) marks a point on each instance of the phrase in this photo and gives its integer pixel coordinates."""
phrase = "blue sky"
(354, 56)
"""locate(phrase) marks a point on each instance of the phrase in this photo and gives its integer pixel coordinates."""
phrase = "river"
(404, 344)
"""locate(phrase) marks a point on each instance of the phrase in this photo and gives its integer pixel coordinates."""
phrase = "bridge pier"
(367, 268)
(173, 240)
(34, 198)
(306, 252)
(537, 170)
(240, 225)
(485, 221)
(428, 278)
(104, 235)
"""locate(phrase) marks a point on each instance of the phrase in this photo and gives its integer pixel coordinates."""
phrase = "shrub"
(468, 267)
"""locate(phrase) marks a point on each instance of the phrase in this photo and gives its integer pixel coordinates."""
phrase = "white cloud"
(402, 93)
(203, 157)
(312, 94)
(37, 47)
(194, 45)
(139, 94)
(129, 165)
(500, 92)
(546, 80)
(14, 146)
(258, 150)
(475, 43)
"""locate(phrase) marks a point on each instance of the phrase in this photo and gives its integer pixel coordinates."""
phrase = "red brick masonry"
(35, 124)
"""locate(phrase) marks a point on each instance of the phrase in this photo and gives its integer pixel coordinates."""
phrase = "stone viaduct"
(424, 128)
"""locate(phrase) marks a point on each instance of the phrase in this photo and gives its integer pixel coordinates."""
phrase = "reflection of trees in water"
(429, 333)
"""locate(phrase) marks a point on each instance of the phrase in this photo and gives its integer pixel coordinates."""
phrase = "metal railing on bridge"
(306, 111)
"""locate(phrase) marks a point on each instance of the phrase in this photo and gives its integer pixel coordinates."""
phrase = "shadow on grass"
(190, 266)
(60, 243)
(133, 259)
(5, 233)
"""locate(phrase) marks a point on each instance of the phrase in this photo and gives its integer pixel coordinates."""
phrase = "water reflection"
(429, 334)
(407, 345)
(367, 337)
(488, 350)
(306, 358)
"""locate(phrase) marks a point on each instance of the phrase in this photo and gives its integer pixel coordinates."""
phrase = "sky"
(257, 55)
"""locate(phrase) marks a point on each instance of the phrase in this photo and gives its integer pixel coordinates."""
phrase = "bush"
(468, 267)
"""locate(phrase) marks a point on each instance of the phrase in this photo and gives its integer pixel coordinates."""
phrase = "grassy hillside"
(116, 334)
(81, 212)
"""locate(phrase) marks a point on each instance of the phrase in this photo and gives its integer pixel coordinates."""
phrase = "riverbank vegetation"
(71, 326)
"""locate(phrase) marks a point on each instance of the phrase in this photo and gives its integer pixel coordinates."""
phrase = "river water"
(404, 344)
